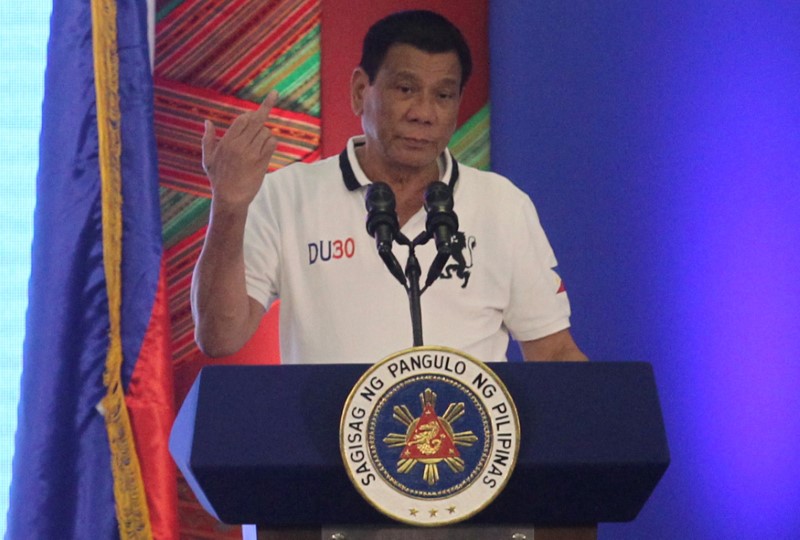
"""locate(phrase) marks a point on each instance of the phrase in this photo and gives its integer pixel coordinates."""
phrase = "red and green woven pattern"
(180, 111)
(243, 48)
(470, 143)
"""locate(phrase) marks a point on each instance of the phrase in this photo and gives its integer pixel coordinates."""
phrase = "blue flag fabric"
(62, 484)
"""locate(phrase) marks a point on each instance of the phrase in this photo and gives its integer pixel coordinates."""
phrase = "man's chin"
(416, 158)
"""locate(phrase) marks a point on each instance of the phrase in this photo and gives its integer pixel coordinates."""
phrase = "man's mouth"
(413, 141)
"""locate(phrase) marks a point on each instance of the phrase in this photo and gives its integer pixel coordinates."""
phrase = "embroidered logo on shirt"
(460, 268)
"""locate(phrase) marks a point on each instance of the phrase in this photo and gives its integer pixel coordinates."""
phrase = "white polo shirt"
(306, 243)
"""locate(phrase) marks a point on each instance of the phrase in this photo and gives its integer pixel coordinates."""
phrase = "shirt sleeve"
(538, 304)
(262, 247)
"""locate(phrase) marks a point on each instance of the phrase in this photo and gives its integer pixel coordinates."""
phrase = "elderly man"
(298, 234)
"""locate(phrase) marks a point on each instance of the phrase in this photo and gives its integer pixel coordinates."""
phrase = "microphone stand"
(382, 224)
(413, 274)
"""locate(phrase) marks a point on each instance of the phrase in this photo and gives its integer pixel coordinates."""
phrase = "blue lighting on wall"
(739, 194)
(661, 144)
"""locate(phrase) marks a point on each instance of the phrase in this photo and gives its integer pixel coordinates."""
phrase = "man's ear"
(358, 84)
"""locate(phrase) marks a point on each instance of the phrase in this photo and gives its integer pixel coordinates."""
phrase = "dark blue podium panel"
(260, 444)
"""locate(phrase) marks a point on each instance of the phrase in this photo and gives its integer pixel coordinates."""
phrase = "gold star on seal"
(433, 512)
(451, 509)
(413, 511)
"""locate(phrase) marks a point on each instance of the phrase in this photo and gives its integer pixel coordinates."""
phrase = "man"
(298, 234)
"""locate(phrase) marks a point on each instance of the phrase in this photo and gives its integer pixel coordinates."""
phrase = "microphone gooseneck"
(441, 225)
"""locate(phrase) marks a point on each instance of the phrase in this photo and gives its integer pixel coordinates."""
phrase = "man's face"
(409, 112)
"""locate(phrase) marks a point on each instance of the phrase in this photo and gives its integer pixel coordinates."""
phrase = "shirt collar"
(355, 178)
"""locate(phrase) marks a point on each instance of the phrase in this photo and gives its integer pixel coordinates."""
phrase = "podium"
(260, 445)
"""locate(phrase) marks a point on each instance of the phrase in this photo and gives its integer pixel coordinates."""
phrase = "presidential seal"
(429, 436)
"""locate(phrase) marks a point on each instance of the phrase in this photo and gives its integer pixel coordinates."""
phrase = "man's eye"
(405, 89)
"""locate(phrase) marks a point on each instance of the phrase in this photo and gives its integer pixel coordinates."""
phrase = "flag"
(96, 405)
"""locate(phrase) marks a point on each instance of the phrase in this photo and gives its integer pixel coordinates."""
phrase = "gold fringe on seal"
(130, 500)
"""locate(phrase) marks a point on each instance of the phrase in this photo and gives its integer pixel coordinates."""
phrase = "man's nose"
(423, 108)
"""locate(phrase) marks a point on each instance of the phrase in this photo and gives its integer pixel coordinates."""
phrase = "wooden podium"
(260, 445)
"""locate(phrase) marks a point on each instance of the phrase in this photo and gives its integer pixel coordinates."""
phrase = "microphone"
(382, 221)
(382, 225)
(441, 224)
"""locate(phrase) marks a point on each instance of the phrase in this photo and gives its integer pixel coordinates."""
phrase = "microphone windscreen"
(441, 221)
(438, 196)
(380, 203)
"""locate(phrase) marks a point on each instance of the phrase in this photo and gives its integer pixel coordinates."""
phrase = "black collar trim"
(352, 184)
(350, 180)
(454, 173)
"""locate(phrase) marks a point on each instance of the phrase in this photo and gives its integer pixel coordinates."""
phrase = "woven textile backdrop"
(218, 58)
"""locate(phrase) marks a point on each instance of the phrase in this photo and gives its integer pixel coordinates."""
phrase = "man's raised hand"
(236, 163)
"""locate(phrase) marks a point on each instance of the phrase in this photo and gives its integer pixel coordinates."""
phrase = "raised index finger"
(262, 113)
